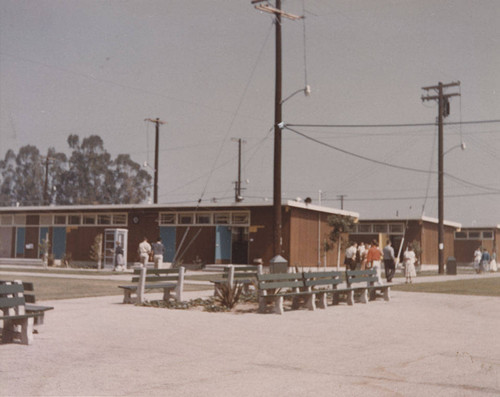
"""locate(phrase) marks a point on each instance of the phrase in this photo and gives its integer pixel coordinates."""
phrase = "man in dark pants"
(389, 261)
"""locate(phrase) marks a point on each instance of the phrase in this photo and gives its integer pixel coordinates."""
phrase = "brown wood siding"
(79, 241)
(6, 243)
(261, 235)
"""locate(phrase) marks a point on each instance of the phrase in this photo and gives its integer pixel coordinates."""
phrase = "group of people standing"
(484, 262)
(361, 256)
(146, 252)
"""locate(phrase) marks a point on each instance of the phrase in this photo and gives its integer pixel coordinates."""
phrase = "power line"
(389, 125)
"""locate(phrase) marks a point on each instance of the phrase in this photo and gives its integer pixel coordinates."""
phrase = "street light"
(461, 146)
(306, 90)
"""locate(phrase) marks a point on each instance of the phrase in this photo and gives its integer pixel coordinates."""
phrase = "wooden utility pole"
(237, 188)
(157, 121)
(443, 111)
(46, 182)
(278, 119)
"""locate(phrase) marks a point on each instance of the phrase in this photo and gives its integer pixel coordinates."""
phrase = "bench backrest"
(12, 297)
(316, 279)
(156, 275)
(280, 280)
(244, 272)
(28, 297)
(361, 276)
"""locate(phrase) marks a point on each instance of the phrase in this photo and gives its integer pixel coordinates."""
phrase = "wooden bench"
(369, 279)
(145, 279)
(273, 287)
(30, 299)
(17, 324)
(246, 275)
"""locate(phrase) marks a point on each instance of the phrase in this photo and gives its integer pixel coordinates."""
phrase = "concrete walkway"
(414, 345)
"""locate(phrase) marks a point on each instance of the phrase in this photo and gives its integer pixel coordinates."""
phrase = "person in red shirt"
(373, 259)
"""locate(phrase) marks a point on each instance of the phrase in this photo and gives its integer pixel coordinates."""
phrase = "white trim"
(320, 208)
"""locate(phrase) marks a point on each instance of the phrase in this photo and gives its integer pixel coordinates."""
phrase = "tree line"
(88, 176)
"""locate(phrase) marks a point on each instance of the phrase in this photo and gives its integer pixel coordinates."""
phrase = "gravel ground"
(416, 344)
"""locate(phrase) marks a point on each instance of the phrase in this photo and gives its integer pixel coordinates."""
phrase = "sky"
(206, 68)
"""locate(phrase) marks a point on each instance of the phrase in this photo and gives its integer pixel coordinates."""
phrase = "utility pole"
(46, 182)
(341, 197)
(157, 140)
(443, 111)
(278, 120)
(237, 185)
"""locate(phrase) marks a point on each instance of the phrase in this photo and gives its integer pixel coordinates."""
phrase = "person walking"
(119, 260)
(477, 259)
(409, 259)
(158, 251)
(144, 252)
(373, 259)
(389, 261)
(485, 261)
(493, 263)
(350, 257)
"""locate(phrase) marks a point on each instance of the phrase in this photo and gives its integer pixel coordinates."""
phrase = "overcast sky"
(207, 69)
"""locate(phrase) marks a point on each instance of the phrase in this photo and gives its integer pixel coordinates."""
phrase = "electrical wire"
(389, 125)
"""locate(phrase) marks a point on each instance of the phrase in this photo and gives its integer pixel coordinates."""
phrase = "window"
(20, 219)
(488, 235)
(221, 218)
(74, 219)
(240, 218)
(45, 219)
(88, 219)
(364, 228)
(186, 219)
(59, 219)
(203, 219)
(6, 220)
(119, 219)
(104, 219)
(168, 218)
(460, 235)
(396, 228)
(380, 228)
(475, 235)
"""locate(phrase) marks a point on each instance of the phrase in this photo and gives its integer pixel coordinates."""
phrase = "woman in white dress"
(493, 263)
(409, 260)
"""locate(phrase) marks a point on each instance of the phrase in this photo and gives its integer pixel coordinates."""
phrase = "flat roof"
(123, 207)
(422, 218)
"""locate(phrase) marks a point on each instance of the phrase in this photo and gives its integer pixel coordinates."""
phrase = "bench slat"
(11, 302)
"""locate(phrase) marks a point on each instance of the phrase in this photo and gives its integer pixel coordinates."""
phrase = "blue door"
(20, 241)
(59, 242)
(222, 244)
(168, 236)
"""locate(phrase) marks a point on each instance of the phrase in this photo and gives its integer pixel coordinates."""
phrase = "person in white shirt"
(144, 251)
(350, 256)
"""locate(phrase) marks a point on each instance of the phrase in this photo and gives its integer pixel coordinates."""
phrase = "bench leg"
(278, 305)
(387, 294)
(322, 303)
(364, 296)
(127, 296)
(373, 294)
(167, 294)
(311, 302)
(39, 319)
(350, 298)
(335, 298)
(27, 331)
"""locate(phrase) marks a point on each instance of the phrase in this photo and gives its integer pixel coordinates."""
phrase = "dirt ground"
(416, 344)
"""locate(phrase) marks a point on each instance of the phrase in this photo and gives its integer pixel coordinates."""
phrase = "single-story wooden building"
(424, 230)
(467, 240)
(215, 233)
